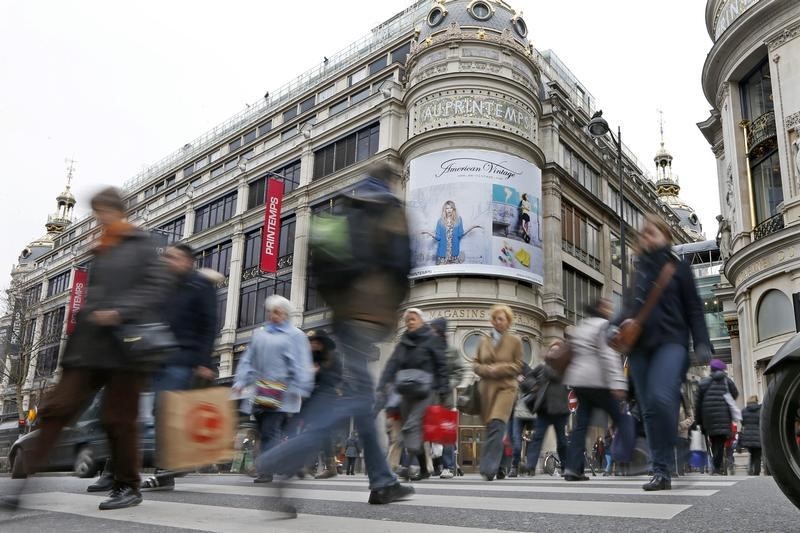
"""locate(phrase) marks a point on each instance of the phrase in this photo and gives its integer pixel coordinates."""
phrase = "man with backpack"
(360, 261)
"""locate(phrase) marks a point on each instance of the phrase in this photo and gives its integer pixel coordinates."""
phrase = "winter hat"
(716, 364)
(439, 325)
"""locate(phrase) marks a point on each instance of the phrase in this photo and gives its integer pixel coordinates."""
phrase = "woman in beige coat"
(497, 364)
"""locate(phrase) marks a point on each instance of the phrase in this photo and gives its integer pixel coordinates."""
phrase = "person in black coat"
(419, 349)
(327, 383)
(750, 436)
(659, 360)
(713, 412)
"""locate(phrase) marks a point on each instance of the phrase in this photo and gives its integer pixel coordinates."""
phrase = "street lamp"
(598, 127)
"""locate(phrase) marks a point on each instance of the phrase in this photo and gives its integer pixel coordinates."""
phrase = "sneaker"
(158, 482)
(103, 484)
(392, 493)
(404, 473)
(658, 482)
(514, 472)
(263, 479)
(446, 474)
(326, 474)
(121, 497)
(501, 473)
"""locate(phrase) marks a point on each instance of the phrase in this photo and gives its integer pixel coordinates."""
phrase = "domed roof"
(487, 14)
(66, 197)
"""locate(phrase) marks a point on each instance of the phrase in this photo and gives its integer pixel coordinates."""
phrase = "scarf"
(113, 234)
(496, 337)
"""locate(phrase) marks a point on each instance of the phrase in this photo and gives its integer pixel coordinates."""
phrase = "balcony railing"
(760, 132)
(768, 227)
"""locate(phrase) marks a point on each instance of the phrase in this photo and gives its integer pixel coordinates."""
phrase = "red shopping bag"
(440, 425)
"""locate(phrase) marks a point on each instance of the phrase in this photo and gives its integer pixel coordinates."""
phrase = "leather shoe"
(658, 482)
(122, 497)
(513, 472)
(392, 493)
(103, 484)
(575, 477)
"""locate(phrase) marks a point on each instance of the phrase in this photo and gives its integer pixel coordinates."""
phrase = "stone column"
(188, 225)
(234, 286)
(300, 258)
(552, 299)
(34, 356)
(732, 323)
(306, 165)
(241, 195)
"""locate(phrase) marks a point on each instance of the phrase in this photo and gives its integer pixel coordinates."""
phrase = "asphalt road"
(230, 503)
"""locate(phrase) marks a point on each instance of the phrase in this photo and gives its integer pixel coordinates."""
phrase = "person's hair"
(593, 309)
(452, 204)
(502, 308)
(660, 224)
(524, 196)
(414, 311)
(753, 399)
(108, 198)
(554, 343)
(276, 302)
(187, 250)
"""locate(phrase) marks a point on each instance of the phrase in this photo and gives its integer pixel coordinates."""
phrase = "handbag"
(469, 403)
(269, 394)
(413, 383)
(560, 359)
(146, 344)
(630, 330)
(736, 413)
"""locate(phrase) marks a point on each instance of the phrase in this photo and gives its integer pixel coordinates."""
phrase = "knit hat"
(716, 364)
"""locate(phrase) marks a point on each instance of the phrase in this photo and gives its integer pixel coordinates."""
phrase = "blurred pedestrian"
(364, 292)
(351, 451)
(417, 370)
(712, 411)
(497, 364)
(750, 436)
(608, 440)
(278, 366)
(595, 374)
(551, 407)
(683, 443)
(659, 358)
(459, 377)
(327, 379)
(127, 285)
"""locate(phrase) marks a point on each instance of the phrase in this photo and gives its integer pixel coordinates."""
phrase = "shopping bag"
(697, 441)
(195, 428)
(624, 439)
(440, 425)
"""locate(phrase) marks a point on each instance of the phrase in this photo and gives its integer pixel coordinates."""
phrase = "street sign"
(573, 401)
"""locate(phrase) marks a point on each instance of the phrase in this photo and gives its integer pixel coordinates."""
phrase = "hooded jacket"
(594, 364)
(711, 409)
(421, 350)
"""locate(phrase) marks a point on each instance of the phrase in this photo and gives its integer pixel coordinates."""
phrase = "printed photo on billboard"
(476, 212)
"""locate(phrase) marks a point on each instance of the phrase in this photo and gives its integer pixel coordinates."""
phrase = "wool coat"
(498, 367)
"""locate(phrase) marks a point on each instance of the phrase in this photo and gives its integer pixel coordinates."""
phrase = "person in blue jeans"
(550, 403)
(595, 374)
(659, 360)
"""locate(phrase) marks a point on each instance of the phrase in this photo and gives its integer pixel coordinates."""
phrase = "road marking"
(543, 480)
(659, 511)
(220, 519)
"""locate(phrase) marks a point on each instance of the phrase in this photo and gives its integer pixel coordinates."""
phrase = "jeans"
(609, 462)
(544, 421)
(351, 466)
(492, 448)
(270, 430)
(325, 411)
(657, 378)
(516, 428)
(449, 457)
(588, 399)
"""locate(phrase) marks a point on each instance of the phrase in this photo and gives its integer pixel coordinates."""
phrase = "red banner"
(271, 233)
(76, 298)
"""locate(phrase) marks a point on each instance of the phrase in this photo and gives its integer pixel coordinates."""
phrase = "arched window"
(471, 343)
(774, 315)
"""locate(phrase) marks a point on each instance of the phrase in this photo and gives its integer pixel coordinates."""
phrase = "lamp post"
(598, 127)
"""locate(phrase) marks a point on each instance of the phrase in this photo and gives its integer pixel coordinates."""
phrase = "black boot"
(658, 482)
(103, 484)
(121, 497)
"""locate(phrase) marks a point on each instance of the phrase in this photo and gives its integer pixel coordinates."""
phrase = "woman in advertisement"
(449, 232)
(525, 217)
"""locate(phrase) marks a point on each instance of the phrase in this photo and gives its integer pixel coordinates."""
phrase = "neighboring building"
(751, 78)
(450, 90)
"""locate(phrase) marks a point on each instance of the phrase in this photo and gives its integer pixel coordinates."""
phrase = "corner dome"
(494, 15)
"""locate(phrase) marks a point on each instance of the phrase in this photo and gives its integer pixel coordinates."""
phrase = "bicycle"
(552, 463)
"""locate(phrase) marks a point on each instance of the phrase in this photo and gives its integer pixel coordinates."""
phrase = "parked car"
(83, 446)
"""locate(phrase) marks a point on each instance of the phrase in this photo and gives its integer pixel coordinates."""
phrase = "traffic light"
(22, 424)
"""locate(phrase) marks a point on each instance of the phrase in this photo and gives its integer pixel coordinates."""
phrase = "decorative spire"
(65, 202)
(666, 183)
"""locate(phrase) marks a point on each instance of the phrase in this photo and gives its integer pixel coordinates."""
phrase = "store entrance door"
(469, 447)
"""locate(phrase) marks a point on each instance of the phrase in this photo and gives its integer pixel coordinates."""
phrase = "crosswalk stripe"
(557, 488)
(220, 519)
(628, 482)
(660, 511)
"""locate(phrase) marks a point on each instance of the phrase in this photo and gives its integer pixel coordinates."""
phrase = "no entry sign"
(573, 401)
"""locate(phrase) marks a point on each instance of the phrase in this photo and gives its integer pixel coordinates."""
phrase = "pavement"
(232, 503)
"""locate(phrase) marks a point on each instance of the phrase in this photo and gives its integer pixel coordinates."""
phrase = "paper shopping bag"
(440, 425)
(195, 428)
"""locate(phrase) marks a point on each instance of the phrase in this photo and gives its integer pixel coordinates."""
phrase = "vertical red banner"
(77, 297)
(271, 233)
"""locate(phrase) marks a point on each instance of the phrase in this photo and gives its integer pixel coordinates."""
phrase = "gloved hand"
(702, 353)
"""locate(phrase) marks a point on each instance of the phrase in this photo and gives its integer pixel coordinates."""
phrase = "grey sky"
(119, 85)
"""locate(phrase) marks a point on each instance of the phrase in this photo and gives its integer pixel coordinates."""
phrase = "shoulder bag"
(413, 383)
(631, 329)
(736, 413)
(469, 403)
(146, 344)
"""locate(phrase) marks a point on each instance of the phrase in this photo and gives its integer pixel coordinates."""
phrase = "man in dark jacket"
(551, 406)
(713, 412)
(750, 436)
(127, 285)
(327, 380)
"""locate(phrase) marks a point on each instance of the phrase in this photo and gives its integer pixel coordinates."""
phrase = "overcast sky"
(119, 85)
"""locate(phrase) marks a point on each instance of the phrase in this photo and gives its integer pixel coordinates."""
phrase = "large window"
(355, 147)
(222, 304)
(774, 315)
(587, 176)
(579, 236)
(579, 291)
(251, 302)
(756, 91)
(252, 245)
(257, 189)
(216, 258)
(174, 230)
(31, 295)
(47, 361)
(53, 324)
(215, 212)
(58, 284)
(767, 187)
